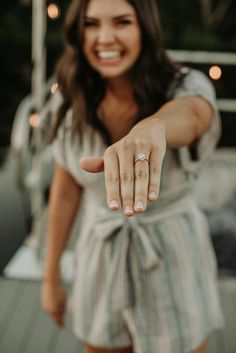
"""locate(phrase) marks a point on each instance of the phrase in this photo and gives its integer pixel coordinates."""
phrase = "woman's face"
(112, 37)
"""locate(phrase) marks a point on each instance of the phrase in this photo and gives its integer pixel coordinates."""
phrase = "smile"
(106, 55)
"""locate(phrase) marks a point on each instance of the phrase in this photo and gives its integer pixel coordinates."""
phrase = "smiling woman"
(145, 269)
(112, 37)
(140, 43)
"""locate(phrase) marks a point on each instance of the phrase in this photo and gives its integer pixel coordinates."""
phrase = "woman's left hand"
(130, 184)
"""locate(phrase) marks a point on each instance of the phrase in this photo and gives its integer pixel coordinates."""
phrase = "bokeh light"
(34, 120)
(53, 11)
(54, 87)
(215, 72)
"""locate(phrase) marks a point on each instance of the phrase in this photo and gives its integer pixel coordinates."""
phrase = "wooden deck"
(24, 328)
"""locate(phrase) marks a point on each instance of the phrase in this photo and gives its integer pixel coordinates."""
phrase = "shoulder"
(65, 127)
(56, 100)
(194, 76)
(195, 83)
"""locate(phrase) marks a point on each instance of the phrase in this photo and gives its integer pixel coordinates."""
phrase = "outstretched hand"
(130, 183)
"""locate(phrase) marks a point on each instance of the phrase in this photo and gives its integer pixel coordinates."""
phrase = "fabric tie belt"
(136, 257)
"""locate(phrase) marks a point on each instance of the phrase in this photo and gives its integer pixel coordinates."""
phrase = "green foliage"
(14, 60)
(185, 27)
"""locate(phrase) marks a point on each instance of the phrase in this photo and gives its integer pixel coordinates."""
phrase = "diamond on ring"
(141, 157)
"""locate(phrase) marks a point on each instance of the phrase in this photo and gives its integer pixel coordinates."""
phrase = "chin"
(113, 73)
(110, 75)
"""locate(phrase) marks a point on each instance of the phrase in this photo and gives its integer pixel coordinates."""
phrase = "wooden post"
(39, 25)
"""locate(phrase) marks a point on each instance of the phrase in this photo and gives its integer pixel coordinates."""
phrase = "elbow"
(203, 115)
(65, 192)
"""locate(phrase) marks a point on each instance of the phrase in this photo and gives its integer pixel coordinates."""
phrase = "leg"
(202, 348)
(90, 349)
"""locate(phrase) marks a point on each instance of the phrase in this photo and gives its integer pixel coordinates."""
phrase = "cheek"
(89, 39)
(138, 39)
(135, 43)
(133, 40)
(86, 51)
(138, 43)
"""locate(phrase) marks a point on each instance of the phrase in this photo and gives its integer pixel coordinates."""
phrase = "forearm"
(183, 120)
(62, 212)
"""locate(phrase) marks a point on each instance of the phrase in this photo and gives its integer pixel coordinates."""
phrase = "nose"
(106, 35)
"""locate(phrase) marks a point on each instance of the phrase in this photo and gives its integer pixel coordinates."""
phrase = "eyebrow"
(115, 18)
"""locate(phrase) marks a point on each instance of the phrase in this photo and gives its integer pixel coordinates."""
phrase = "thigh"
(202, 348)
(90, 349)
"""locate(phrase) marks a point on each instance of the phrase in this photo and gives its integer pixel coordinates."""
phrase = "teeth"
(109, 54)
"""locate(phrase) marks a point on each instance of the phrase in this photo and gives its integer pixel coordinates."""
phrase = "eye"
(124, 22)
(89, 24)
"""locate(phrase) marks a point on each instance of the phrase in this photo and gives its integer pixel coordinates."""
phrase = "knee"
(90, 349)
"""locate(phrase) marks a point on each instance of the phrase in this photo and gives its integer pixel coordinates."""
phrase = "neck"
(120, 89)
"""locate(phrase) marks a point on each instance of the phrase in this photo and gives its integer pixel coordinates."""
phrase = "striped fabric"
(150, 280)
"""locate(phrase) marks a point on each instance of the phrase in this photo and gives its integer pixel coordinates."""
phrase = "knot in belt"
(134, 258)
(122, 226)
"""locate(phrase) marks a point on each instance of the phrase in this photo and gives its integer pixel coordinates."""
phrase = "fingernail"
(114, 204)
(152, 195)
(129, 209)
(140, 205)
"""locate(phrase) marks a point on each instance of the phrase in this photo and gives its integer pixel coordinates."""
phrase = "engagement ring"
(141, 157)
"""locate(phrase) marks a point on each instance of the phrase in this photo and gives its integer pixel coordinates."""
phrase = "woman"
(146, 277)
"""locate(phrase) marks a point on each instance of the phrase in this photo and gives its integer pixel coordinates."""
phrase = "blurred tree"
(15, 59)
(212, 15)
(199, 24)
(205, 25)
(15, 44)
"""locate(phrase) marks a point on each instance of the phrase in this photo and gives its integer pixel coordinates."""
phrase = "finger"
(56, 312)
(111, 169)
(57, 309)
(92, 164)
(141, 182)
(59, 320)
(154, 174)
(126, 166)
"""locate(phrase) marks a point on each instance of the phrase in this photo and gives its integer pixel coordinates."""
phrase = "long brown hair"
(83, 89)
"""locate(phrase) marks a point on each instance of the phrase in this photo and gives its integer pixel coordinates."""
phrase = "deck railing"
(211, 58)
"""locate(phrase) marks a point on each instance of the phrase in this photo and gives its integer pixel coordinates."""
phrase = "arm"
(178, 123)
(184, 121)
(63, 205)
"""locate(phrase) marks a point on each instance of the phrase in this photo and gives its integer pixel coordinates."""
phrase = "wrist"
(51, 280)
(51, 276)
(151, 127)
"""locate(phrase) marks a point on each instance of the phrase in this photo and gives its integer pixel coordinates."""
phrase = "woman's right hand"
(54, 301)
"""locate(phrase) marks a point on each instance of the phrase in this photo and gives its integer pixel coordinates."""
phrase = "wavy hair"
(83, 89)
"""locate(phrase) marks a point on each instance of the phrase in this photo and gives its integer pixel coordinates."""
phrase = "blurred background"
(199, 33)
(190, 25)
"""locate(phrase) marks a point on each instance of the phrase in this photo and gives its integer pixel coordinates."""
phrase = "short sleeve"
(59, 148)
(60, 143)
(197, 83)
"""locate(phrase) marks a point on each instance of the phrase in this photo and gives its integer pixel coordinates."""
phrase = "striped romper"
(150, 280)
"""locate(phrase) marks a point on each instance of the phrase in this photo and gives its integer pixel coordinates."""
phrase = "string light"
(34, 120)
(54, 87)
(53, 11)
(215, 72)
